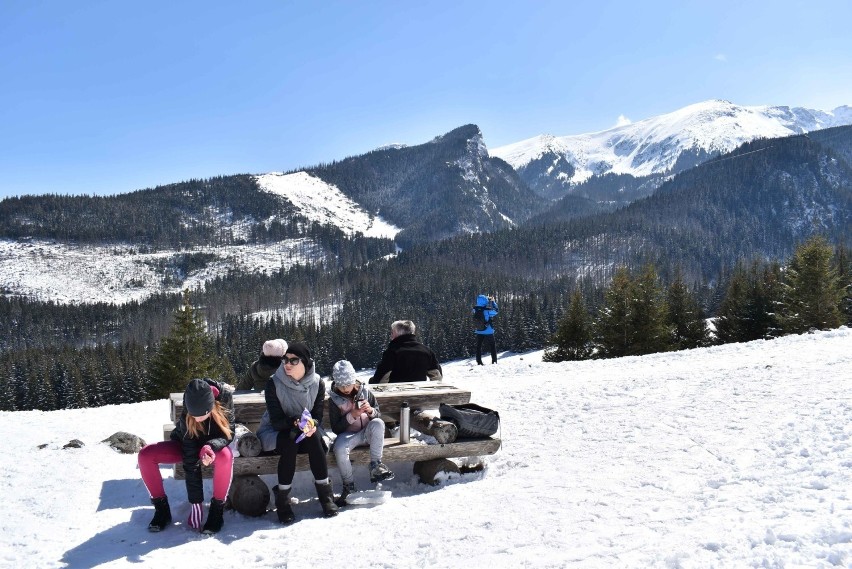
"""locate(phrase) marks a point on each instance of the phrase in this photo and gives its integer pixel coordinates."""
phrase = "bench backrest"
(249, 406)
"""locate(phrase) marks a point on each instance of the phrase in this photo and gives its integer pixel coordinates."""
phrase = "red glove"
(206, 455)
(196, 512)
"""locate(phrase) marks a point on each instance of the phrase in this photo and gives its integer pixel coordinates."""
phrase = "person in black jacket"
(200, 438)
(294, 388)
(406, 359)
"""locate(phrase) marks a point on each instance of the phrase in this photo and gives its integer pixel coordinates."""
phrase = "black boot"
(282, 505)
(326, 499)
(214, 517)
(348, 488)
(162, 514)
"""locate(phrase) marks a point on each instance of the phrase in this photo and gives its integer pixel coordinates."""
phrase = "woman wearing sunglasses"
(294, 387)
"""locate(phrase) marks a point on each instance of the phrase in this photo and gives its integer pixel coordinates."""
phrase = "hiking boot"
(214, 517)
(379, 472)
(326, 499)
(162, 514)
(348, 488)
(282, 505)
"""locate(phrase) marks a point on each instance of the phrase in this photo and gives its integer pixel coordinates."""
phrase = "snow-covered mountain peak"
(521, 153)
(654, 145)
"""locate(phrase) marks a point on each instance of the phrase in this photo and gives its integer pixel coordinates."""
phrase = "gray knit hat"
(343, 374)
(198, 399)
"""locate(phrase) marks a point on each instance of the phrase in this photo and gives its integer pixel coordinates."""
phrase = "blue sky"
(102, 97)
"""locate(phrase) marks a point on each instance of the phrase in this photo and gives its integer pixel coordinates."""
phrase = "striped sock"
(196, 512)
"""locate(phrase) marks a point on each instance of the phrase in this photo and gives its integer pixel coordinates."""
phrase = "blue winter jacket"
(490, 312)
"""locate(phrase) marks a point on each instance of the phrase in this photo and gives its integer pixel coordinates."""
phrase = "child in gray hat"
(356, 419)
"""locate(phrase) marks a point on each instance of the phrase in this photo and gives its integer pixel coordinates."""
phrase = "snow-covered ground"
(731, 456)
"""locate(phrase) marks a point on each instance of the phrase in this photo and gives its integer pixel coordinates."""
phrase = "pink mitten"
(196, 512)
(207, 452)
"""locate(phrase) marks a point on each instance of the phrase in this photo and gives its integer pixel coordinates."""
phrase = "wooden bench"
(423, 399)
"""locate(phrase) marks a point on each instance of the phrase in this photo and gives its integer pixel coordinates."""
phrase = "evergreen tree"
(730, 322)
(184, 354)
(686, 318)
(651, 333)
(613, 327)
(762, 302)
(573, 338)
(843, 263)
(812, 291)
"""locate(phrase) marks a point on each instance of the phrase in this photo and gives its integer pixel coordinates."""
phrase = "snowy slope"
(732, 456)
(325, 203)
(50, 271)
(653, 145)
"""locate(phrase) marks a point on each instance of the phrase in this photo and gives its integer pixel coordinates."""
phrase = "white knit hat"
(275, 348)
(343, 374)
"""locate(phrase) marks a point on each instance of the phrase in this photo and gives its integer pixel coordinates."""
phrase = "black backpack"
(479, 318)
(472, 420)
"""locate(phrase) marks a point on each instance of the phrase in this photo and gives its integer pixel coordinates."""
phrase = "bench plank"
(394, 451)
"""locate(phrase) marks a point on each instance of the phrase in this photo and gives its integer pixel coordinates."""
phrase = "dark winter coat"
(340, 405)
(285, 401)
(406, 359)
(490, 312)
(259, 373)
(211, 435)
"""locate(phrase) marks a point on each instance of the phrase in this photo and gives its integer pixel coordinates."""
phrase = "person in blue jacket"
(488, 306)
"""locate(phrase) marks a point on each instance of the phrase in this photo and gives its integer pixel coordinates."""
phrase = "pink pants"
(170, 452)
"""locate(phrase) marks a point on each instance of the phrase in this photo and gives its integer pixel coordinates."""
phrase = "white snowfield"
(325, 203)
(653, 145)
(73, 274)
(731, 456)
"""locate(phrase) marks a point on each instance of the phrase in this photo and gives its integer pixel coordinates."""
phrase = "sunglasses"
(292, 361)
